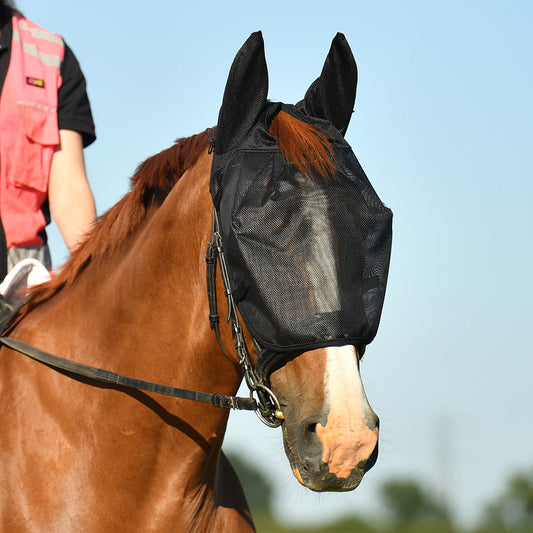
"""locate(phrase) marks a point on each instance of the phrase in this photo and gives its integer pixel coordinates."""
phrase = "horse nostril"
(308, 430)
(309, 445)
(309, 435)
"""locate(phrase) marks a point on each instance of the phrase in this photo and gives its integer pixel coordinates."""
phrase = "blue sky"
(443, 128)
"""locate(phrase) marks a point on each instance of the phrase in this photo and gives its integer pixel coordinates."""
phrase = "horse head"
(308, 247)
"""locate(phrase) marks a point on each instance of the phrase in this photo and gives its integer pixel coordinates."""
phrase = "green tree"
(409, 502)
(513, 510)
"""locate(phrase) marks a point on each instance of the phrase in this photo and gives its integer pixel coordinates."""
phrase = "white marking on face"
(349, 435)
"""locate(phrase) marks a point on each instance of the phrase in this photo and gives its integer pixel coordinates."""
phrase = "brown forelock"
(303, 145)
(151, 183)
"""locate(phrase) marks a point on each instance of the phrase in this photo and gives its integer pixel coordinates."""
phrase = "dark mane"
(151, 183)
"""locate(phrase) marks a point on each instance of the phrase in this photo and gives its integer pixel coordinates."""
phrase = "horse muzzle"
(322, 464)
(330, 431)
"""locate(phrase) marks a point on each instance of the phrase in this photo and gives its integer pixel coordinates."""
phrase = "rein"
(218, 400)
(266, 406)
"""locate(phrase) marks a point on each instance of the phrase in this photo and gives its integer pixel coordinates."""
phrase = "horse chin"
(313, 473)
(327, 482)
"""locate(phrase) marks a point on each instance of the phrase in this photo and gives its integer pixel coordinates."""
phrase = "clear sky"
(443, 128)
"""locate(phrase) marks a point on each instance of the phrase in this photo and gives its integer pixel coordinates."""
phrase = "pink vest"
(29, 133)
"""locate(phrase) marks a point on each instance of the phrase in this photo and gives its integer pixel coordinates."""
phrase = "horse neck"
(163, 280)
(148, 313)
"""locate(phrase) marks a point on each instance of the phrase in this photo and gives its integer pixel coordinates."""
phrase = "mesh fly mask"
(307, 257)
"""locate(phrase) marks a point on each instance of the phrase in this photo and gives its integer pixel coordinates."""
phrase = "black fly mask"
(307, 257)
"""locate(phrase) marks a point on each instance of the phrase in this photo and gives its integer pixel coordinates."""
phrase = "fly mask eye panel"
(308, 257)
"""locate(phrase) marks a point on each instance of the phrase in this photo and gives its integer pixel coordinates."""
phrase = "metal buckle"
(268, 407)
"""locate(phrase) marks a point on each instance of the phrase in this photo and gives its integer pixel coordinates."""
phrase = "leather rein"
(266, 406)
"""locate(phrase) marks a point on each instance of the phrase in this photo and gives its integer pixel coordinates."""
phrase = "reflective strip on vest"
(39, 33)
(31, 49)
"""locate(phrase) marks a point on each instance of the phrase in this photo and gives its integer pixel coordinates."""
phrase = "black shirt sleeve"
(74, 109)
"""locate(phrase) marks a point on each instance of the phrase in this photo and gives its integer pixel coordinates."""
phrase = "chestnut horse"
(79, 455)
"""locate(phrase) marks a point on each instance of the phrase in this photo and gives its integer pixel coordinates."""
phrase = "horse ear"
(332, 95)
(245, 94)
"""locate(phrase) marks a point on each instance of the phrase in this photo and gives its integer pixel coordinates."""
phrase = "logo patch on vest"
(35, 82)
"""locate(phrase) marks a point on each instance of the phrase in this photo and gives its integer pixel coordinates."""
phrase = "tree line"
(408, 507)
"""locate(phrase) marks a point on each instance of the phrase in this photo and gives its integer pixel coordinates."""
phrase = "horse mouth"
(313, 473)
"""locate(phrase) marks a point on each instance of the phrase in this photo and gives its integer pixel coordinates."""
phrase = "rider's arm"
(71, 201)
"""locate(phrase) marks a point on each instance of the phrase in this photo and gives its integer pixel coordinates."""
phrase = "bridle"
(266, 406)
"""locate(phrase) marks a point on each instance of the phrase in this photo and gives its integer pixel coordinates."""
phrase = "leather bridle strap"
(218, 400)
(269, 409)
(211, 263)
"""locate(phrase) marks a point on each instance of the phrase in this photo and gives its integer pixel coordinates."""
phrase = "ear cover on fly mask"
(245, 94)
(332, 95)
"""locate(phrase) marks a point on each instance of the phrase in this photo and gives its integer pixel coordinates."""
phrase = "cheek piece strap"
(269, 410)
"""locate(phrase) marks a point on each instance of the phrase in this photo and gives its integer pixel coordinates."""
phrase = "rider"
(45, 122)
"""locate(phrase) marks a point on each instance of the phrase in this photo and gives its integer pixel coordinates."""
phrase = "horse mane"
(302, 145)
(149, 186)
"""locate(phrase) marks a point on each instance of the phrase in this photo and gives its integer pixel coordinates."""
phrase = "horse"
(78, 454)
